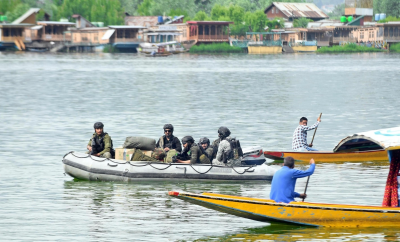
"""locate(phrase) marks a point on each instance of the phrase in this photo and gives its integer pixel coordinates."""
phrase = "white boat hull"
(85, 167)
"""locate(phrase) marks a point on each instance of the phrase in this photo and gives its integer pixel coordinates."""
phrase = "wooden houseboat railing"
(209, 37)
(344, 39)
(125, 40)
(12, 38)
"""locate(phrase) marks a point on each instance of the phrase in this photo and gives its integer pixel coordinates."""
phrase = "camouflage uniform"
(225, 147)
(107, 142)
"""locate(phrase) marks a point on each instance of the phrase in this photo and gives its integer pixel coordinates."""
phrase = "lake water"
(49, 102)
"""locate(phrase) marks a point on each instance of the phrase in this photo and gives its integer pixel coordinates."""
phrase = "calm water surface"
(49, 102)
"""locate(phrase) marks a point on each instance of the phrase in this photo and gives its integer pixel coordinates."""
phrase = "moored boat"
(366, 146)
(86, 167)
(303, 213)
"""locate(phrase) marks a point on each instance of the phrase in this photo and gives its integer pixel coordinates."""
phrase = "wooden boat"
(86, 167)
(314, 214)
(159, 55)
(366, 146)
(301, 213)
(356, 156)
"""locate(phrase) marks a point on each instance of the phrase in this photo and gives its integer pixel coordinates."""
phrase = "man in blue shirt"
(284, 181)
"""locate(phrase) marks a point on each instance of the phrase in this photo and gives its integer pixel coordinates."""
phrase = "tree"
(108, 11)
(337, 11)
(392, 7)
(17, 12)
(301, 22)
(200, 16)
(8, 5)
(145, 8)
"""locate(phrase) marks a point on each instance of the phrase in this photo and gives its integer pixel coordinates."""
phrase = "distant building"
(292, 11)
(145, 21)
(208, 31)
(359, 8)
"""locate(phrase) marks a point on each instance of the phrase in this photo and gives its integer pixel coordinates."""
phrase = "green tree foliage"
(337, 12)
(145, 7)
(276, 23)
(201, 16)
(131, 6)
(389, 19)
(301, 22)
(17, 12)
(8, 5)
(390, 7)
(107, 11)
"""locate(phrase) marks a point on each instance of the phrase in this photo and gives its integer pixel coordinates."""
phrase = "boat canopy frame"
(388, 139)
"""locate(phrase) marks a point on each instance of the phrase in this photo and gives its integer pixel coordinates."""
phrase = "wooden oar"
(308, 179)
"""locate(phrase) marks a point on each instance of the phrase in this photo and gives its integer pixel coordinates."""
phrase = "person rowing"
(284, 181)
(299, 142)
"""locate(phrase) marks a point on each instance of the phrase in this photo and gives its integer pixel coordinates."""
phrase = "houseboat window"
(386, 31)
(201, 29)
(396, 31)
(372, 34)
(391, 32)
(361, 35)
(6, 32)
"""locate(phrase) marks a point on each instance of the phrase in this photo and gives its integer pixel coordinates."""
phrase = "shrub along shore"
(215, 48)
(395, 48)
(348, 48)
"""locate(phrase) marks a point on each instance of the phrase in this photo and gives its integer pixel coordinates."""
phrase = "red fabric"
(390, 199)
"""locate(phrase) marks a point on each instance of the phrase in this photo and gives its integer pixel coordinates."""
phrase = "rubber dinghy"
(87, 167)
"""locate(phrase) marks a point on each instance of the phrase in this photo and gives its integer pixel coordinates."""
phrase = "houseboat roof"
(26, 15)
(89, 29)
(298, 10)
(325, 23)
(164, 33)
(209, 22)
(54, 23)
(126, 27)
(389, 23)
(174, 19)
(15, 25)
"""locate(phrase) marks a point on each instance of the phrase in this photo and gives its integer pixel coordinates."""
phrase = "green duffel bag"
(170, 154)
(138, 155)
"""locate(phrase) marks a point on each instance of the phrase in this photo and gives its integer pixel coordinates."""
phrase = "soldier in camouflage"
(100, 144)
(191, 153)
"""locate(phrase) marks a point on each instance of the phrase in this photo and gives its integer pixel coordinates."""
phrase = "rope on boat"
(150, 164)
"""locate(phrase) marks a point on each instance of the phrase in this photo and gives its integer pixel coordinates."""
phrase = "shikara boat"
(300, 213)
(366, 146)
(312, 214)
(86, 167)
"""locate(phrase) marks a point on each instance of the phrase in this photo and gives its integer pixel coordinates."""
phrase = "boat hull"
(358, 156)
(85, 167)
(302, 213)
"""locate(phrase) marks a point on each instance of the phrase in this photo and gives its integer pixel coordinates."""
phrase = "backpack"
(235, 152)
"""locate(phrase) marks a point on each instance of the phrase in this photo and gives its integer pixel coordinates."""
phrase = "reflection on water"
(290, 233)
(50, 102)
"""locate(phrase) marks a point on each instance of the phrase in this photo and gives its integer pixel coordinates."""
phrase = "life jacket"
(162, 143)
(235, 152)
(98, 144)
